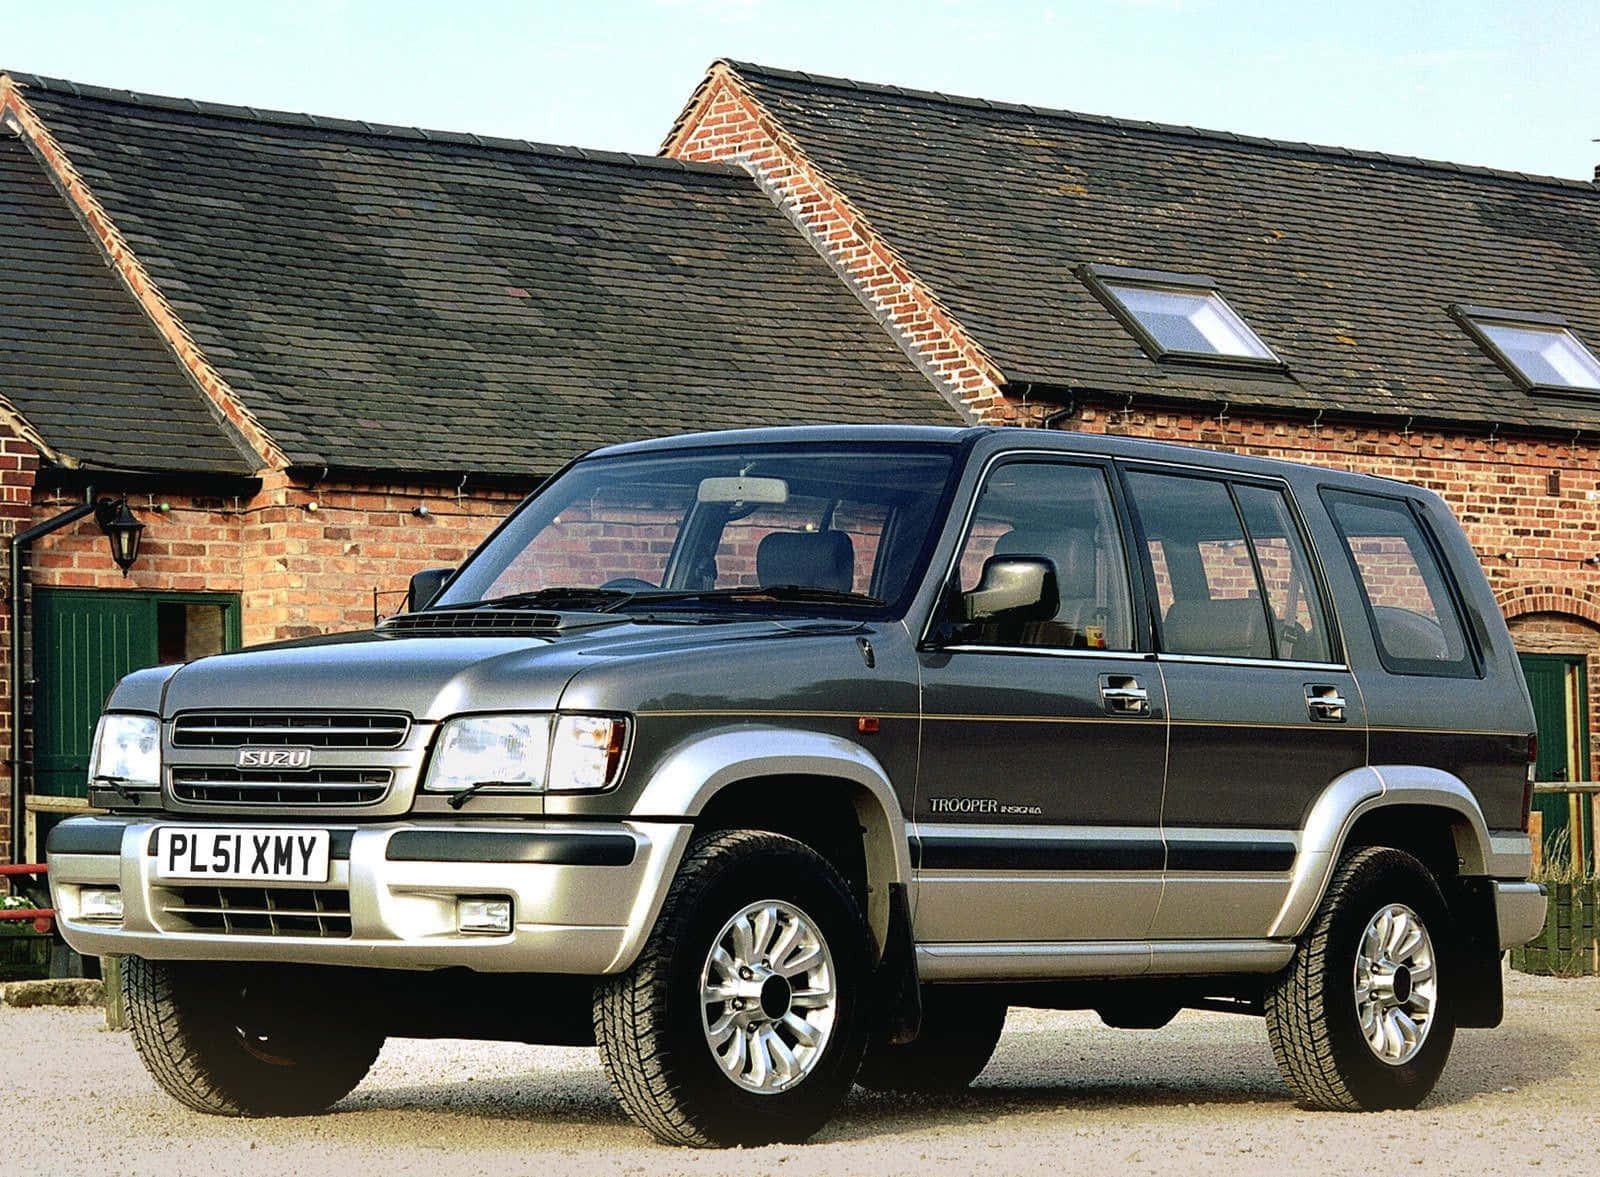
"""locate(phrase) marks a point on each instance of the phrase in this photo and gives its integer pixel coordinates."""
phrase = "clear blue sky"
(1508, 84)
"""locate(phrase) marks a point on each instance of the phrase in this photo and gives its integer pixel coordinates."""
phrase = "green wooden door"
(1556, 684)
(84, 641)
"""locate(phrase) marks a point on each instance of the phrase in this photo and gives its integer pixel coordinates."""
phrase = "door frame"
(1575, 695)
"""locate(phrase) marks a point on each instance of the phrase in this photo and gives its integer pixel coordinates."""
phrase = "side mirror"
(1020, 588)
(425, 586)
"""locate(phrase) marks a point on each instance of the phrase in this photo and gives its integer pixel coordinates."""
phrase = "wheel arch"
(744, 774)
(1427, 812)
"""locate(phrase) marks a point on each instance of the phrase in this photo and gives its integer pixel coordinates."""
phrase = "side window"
(1404, 589)
(1298, 618)
(1204, 577)
(1063, 513)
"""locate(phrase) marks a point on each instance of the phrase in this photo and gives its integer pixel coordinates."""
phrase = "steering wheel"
(629, 583)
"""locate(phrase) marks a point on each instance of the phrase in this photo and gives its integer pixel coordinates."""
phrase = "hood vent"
(472, 623)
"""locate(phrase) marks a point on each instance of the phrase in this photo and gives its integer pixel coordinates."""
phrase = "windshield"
(835, 530)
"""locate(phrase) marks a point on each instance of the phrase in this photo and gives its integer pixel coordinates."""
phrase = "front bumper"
(584, 895)
(1520, 911)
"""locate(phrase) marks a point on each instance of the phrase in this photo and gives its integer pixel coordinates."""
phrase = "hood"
(434, 676)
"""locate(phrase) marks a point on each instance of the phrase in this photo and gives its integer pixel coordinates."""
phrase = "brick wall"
(312, 570)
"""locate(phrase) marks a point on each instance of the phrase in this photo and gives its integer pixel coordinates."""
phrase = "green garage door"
(85, 640)
(1556, 684)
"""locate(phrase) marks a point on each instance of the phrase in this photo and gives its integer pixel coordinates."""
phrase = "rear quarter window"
(1406, 590)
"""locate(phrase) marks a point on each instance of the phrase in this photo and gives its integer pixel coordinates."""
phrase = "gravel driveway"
(1063, 1095)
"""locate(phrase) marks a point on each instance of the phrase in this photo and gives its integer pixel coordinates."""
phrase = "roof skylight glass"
(1544, 355)
(1178, 316)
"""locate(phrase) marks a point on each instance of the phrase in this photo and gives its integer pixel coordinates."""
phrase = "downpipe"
(19, 546)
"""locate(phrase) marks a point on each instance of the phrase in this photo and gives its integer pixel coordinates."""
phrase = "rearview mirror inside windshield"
(743, 490)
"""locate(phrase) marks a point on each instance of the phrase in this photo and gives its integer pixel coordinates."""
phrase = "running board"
(1128, 958)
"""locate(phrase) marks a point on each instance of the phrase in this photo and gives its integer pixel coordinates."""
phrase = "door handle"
(1324, 703)
(1122, 694)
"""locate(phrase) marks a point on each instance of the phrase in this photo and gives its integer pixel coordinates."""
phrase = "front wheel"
(741, 1023)
(1360, 1020)
(245, 1040)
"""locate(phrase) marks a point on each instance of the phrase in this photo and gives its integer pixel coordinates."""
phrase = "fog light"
(484, 915)
(100, 903)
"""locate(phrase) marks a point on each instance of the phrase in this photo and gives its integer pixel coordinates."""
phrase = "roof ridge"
(284, 118)
(1347, 153)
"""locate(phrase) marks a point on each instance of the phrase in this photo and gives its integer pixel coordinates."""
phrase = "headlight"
(491, 750)
(128, 748)
(562, 753)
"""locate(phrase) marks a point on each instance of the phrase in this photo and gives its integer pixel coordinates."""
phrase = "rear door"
(1264, 713)
(1038, 807)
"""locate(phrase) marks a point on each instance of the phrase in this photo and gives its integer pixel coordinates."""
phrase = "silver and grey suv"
(779, 760)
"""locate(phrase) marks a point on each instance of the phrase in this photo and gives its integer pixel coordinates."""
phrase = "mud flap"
(1478, 997)
(896, 984)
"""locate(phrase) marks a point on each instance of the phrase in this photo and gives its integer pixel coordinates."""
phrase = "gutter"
(19, 545)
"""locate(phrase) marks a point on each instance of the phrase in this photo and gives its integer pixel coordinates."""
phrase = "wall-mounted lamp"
(122, 528)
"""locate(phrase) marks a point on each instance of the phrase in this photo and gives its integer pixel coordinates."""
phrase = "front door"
(1556, 684)
(84, 641)
(1038, 808)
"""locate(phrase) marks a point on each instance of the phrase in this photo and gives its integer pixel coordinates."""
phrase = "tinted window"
(1204, 578)
(1064, 514)
(854, 519)
(1408, 600)
(1298, 619)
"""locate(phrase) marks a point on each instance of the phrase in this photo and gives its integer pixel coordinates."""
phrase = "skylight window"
(1178, 316)
(1539, 351)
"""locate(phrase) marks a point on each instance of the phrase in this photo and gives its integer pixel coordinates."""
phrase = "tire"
(245, 1040)
(960, 1028)
(1314, 1021)
(656, 1023)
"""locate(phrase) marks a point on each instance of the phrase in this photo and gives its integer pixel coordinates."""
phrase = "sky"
(1505, 84)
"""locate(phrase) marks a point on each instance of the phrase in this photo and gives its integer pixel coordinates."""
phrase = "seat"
(1234, 628)
(816, 559)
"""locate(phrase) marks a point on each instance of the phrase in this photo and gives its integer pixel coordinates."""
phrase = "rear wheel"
(960, 1028)
(245, 1040)
(1360, 1020)
(742, 1020)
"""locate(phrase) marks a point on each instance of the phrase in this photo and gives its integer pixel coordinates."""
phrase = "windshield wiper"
(598, 600)
(799, 593)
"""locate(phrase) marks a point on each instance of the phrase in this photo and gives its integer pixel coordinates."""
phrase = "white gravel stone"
(1063, 1095)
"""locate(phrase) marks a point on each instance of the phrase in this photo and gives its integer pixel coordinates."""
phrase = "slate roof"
(1343, 261)
(387, 298)
(78, 358)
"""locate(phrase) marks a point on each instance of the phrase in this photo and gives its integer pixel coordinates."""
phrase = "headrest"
(1072, 552)
(817, 559)
(1231, 629)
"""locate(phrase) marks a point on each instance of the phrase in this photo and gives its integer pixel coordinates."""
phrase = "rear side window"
(1228, 569)
(1403, 585)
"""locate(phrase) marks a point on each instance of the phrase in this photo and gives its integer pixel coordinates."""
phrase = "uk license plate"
(213, 852)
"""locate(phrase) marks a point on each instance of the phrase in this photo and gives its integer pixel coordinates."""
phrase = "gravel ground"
(1063, 1095)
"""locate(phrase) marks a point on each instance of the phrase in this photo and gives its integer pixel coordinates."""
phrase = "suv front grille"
(316, 786)
(304, 729)
(261, 911)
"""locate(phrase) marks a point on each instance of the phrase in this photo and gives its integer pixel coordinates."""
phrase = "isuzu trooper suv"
(774, 761)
